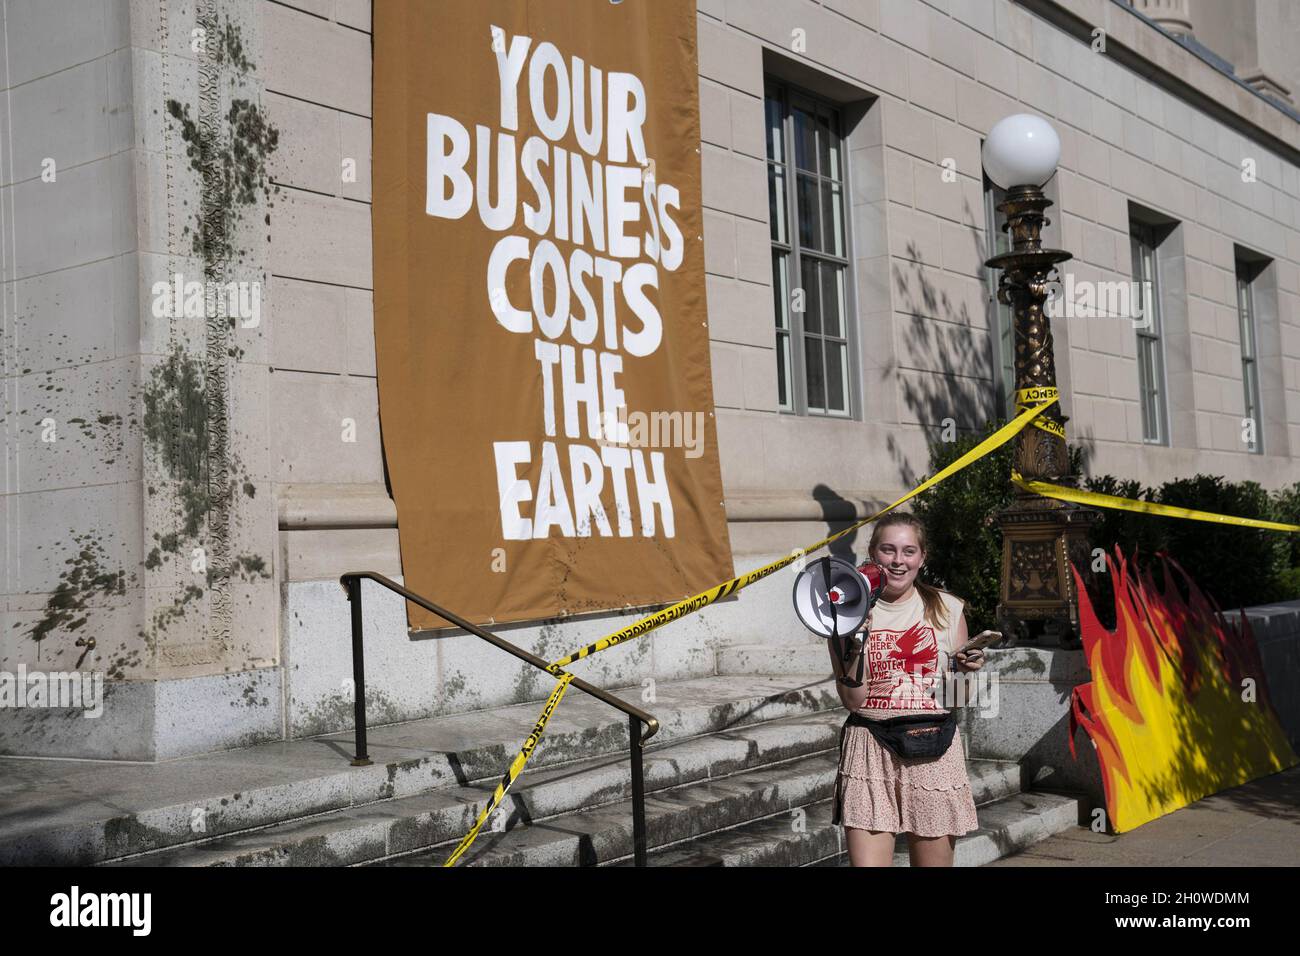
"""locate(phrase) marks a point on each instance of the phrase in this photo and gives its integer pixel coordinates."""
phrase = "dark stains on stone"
(227, 147)
(185, 406)
(163, 618)
(526, 684)
(124, 661)
(126, 835)
(233, 171)
(176, 424)
(335, 712)
(249, 698)
(230, 48)
(453, 686)
(253, 139)
(1028, 663)
(252, 565)
(67, 609)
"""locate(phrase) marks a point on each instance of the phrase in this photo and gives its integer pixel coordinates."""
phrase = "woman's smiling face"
(900, 554)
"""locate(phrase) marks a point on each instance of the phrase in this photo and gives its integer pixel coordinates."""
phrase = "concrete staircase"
(741, 774)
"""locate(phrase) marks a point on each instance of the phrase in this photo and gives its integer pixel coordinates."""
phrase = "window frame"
(1144, 234)
(1248, 330)
(1002, 339)
(788, 96)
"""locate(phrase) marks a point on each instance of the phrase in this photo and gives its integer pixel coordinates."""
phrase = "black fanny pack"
(911, 735)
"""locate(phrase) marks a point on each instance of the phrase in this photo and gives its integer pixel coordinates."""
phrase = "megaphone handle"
(846, 655)
(835, 618)
(835, 632)
(851, 682)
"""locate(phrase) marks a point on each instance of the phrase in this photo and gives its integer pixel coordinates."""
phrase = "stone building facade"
(228, 142)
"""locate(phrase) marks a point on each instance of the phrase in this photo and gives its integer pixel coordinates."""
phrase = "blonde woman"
(913, 633)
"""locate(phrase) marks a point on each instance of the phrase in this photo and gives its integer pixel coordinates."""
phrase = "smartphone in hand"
(980, 641)
(972, 652)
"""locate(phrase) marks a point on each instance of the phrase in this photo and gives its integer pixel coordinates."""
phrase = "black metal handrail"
(636, 740)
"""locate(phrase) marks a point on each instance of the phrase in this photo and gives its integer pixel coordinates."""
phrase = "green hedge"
(1239, 567)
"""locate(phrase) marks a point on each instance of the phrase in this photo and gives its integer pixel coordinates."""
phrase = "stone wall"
(98, 523)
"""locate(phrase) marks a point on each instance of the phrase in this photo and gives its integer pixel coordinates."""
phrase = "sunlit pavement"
(1255, 824)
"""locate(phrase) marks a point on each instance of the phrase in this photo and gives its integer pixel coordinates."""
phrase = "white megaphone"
(832, 596)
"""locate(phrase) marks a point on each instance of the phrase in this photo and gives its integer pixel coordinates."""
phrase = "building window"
(1150, 349)
(807, 206)
(1001, 322)
(1249, 355)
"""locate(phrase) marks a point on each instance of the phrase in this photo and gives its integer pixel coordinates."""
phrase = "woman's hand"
(969, 660)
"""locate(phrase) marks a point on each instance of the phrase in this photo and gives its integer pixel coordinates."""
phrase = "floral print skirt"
(876, 789)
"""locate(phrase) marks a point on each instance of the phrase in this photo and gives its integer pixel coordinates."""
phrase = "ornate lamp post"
(1040, 536)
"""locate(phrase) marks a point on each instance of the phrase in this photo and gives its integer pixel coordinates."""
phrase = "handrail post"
(362, 759)
(638, 793)
(351, 582)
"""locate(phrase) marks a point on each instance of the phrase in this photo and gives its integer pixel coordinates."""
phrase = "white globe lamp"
(1021, 150)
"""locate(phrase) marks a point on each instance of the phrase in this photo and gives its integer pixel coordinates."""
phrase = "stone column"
(137, 545)
(1174, 15)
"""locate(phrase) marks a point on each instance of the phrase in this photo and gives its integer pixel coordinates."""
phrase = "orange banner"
(545, 389)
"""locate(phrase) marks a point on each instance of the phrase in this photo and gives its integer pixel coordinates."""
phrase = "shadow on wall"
(838, 512)
(949, 384)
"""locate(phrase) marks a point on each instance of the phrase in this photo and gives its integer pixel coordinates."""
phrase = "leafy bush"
(1289, 584)
(964, 547)
(1238, 566)
(1136, 534)
(1286, 508)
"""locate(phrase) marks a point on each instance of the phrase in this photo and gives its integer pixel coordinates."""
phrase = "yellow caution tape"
(705, 598)
(1026, 397)
(1100, 500)
(516, 767)
(1028, 414)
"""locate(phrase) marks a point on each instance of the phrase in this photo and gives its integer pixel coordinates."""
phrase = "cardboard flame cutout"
(1165, 705)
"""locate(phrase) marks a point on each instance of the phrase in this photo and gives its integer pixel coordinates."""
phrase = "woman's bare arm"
(962, 635)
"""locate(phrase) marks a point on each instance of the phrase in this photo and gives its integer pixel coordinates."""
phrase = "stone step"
(801, 657)
(81, 812)
(602, 835)
(766, 797)
(813, 840)
(1007, 826)
(772, 841)
(389, 827)
(1011, 824)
